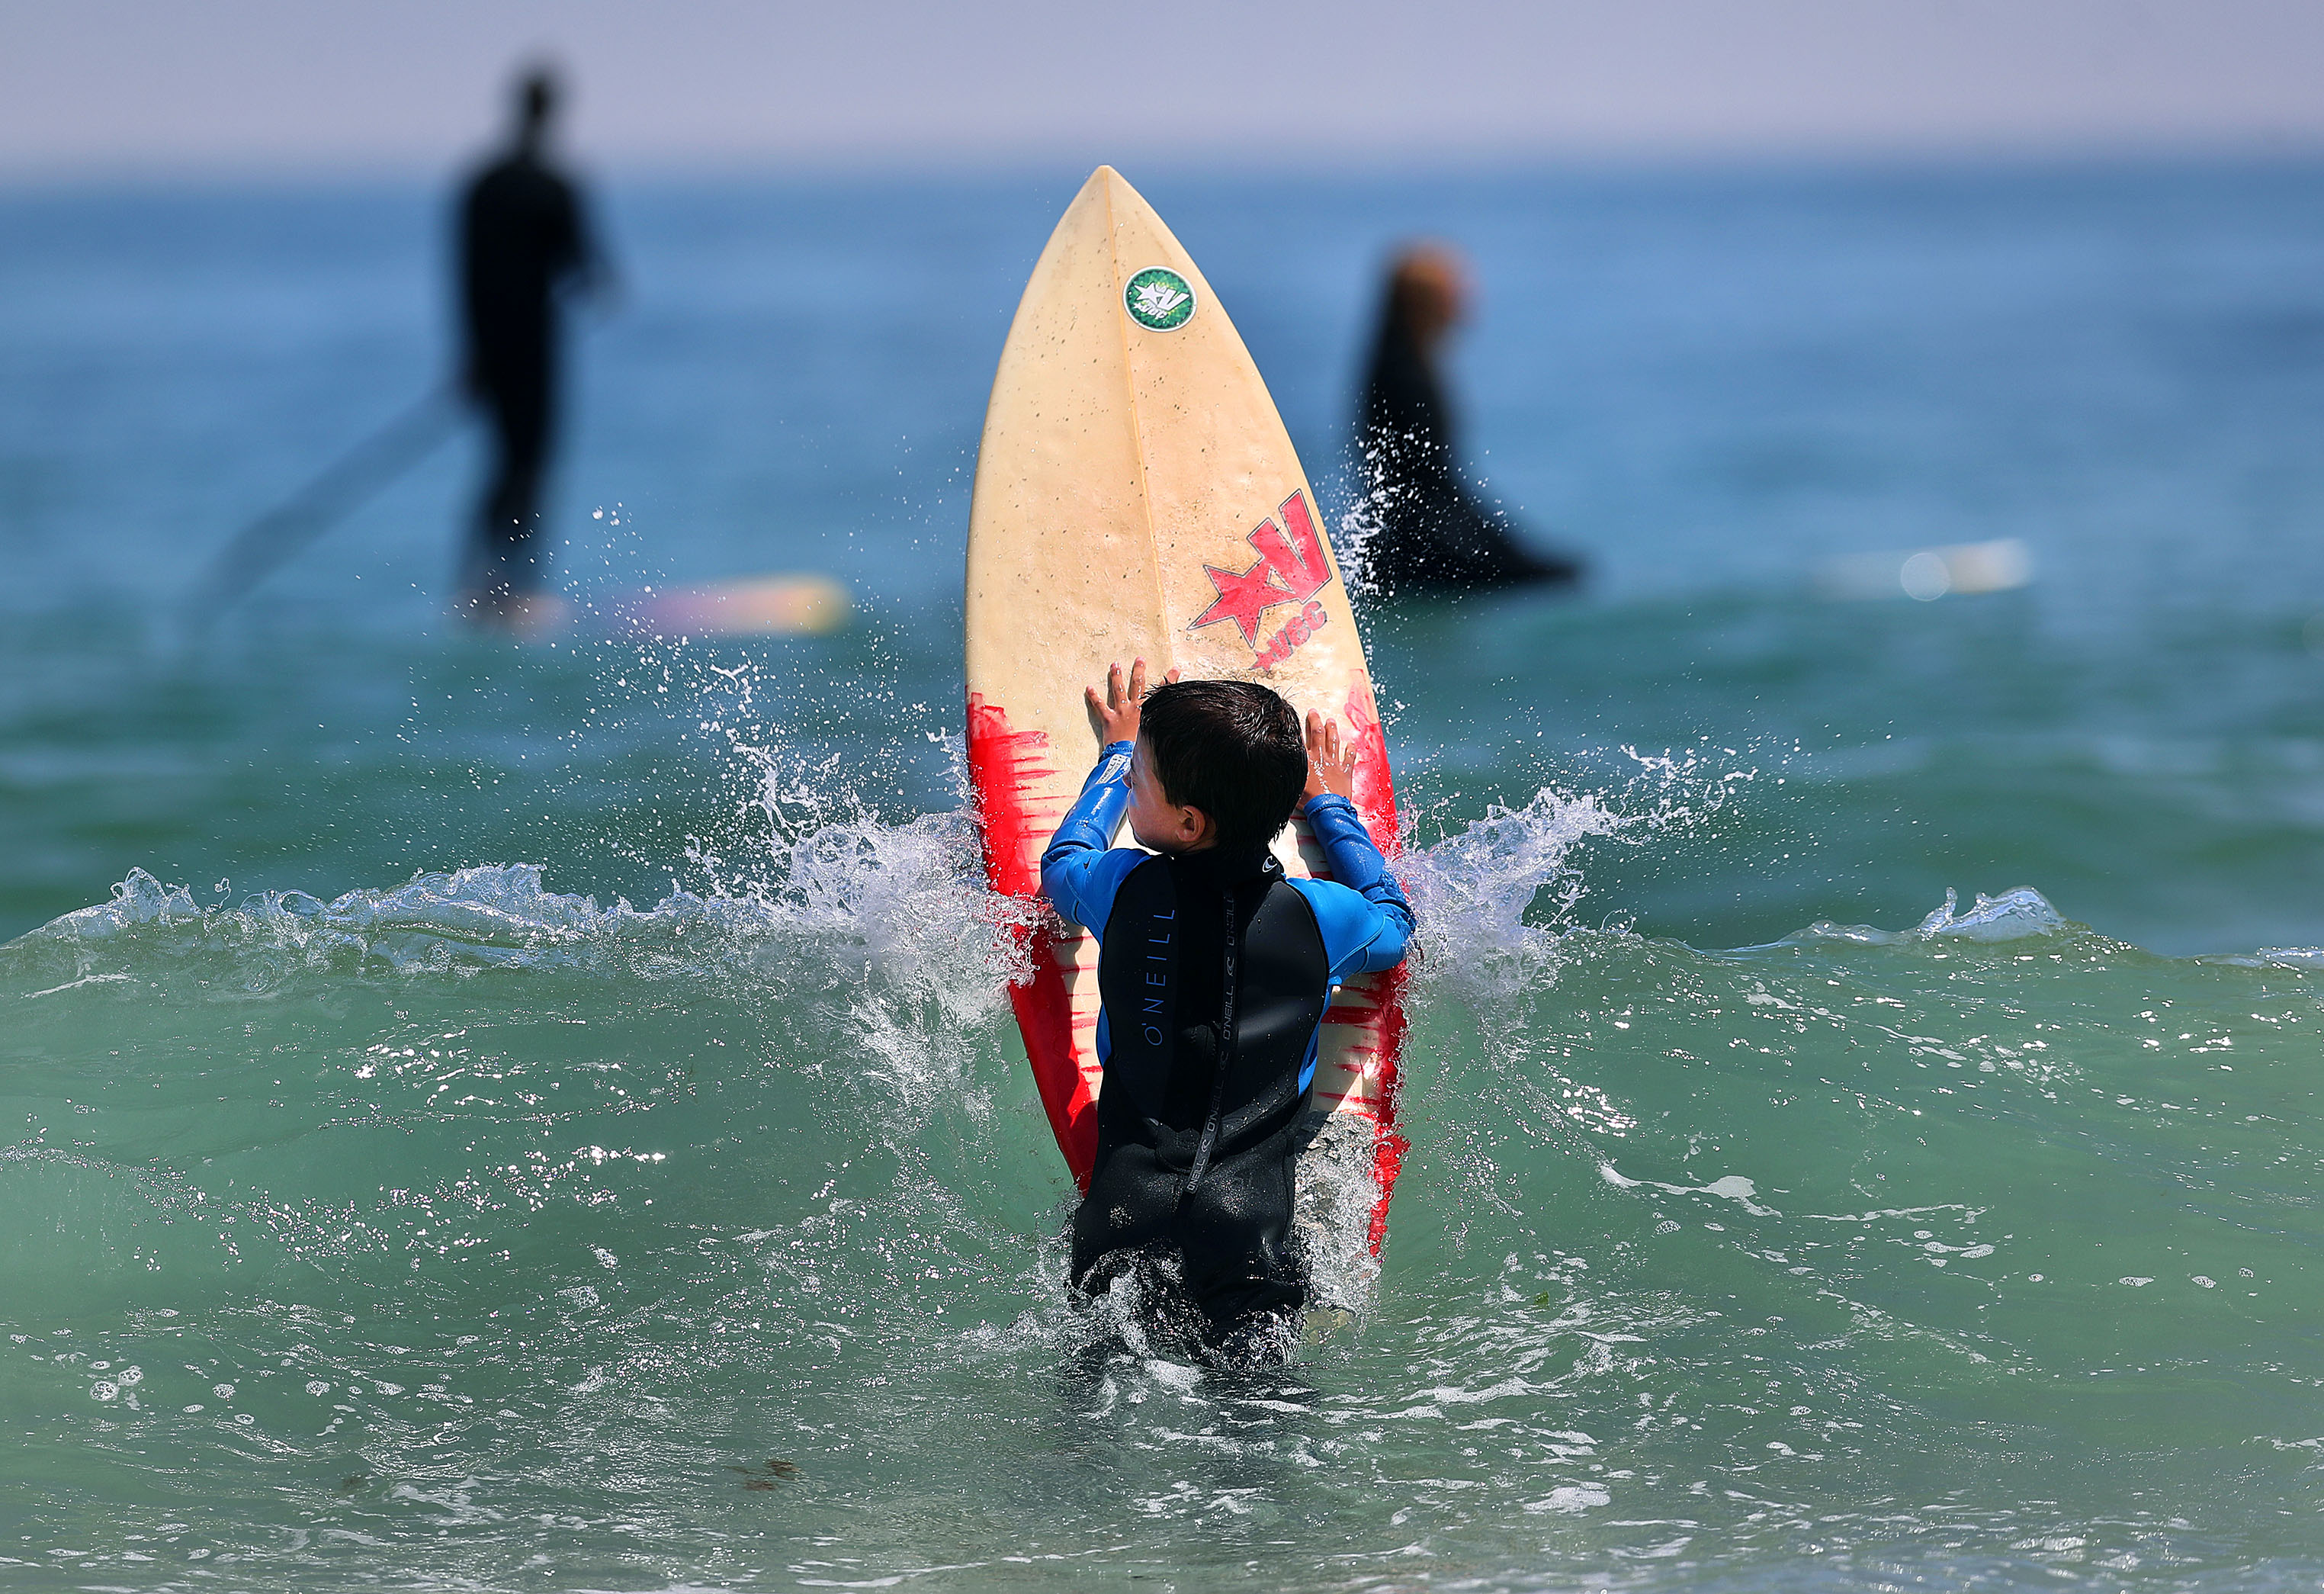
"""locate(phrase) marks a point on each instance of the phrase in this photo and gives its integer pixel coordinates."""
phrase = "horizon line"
(1004, 162)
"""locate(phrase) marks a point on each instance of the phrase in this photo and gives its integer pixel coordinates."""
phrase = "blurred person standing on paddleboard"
(1432, 534)
(524, 240)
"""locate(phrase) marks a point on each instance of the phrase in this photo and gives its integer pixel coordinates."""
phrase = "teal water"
(531, 1117)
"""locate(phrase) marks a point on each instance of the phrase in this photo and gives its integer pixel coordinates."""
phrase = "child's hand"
(1331, 766)
(1114, 716)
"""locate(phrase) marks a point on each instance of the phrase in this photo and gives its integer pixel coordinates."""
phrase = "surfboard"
(750, 606)
(1137, 495)
(753, 606)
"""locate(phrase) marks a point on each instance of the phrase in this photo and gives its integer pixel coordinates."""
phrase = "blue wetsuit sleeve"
(1079, 873)
(1367, 923)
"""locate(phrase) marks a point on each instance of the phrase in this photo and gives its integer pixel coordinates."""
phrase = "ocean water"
(498, 1116)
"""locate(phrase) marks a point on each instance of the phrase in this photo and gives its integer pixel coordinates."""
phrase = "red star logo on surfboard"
(1290, 568)
(1242, 598)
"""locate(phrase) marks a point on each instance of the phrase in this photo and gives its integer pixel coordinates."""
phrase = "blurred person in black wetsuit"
(523, 241)
(1432, 534)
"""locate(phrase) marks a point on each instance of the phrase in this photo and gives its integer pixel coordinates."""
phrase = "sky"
(110, 86)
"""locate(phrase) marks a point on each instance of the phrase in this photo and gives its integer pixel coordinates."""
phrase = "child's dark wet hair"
(1231, 748)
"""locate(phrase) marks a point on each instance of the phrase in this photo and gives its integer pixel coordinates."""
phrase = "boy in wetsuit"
(1214, 970)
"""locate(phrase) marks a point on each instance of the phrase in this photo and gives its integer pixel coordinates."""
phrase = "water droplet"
(1925, 577)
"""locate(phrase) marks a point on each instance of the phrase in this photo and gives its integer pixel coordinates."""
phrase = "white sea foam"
(2015, 914)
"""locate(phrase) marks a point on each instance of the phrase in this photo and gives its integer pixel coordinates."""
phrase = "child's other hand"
(1114, 716)
(1331, 765)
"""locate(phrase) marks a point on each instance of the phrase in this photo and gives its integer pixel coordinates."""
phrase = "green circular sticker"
(1158, 299)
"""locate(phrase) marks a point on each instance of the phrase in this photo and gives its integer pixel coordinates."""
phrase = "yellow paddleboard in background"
(756, 606)
(747, 606)
(1137, 495)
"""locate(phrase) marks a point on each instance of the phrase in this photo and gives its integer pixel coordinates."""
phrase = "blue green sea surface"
(493, 1114)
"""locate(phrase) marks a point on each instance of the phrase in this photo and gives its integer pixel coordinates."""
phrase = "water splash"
(890, 922)
(1376, 490)
(1495, 896)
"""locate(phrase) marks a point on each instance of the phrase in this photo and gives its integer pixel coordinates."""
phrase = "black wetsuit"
(1214, 973)
(522, 237)
(1433, 534)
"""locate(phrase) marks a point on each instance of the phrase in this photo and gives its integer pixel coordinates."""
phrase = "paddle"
(268, 542)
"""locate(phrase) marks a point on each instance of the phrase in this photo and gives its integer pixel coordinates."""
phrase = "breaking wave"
(464, 1196)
